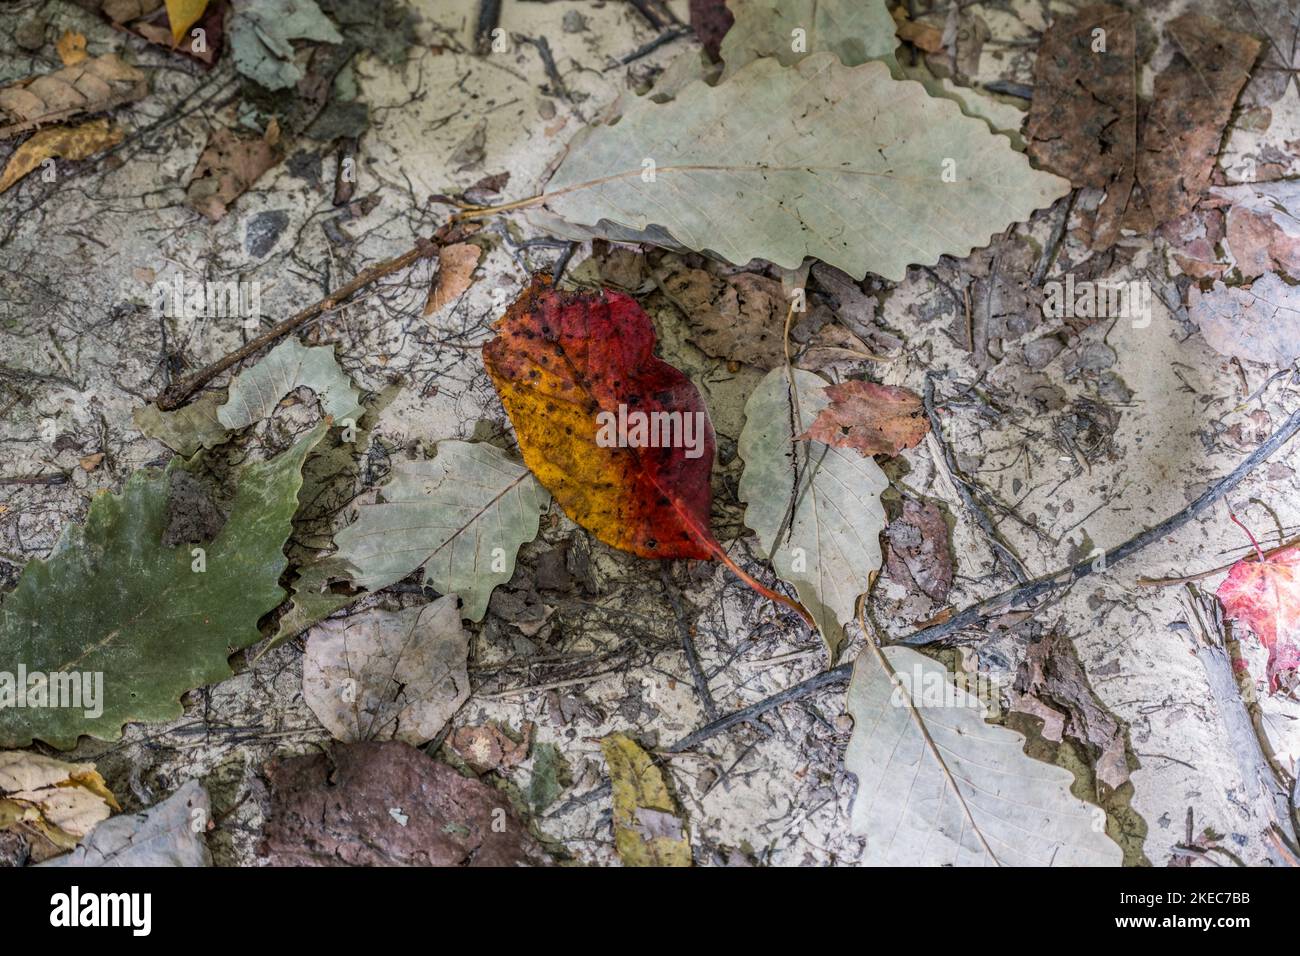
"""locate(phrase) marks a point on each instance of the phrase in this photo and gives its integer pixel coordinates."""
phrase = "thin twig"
(688, 645)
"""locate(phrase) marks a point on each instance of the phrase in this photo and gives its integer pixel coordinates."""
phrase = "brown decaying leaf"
(923, 36)
(93, 85)
(873, 419)
(1262, 227)
(456, 265)
(121, 11)
(67, 142)
(737, 318)
(918, 554)
(71, 48)
(1259, 323)
(1053, 686)
(490, 747)
(229, 165)
(710, 19)
(387, 804)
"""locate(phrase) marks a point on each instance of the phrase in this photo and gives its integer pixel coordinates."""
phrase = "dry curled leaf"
(491, 747)
(71, 48)
(456, 265)
(229, 165)
(65, 142)
(93, 85)
(61, 801)
(873, 419)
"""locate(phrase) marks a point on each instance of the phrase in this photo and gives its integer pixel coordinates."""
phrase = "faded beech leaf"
(255, 392)
(66, 142)
(456, 265)
(872, 419)
(1259, 323)
(114, 598)
(641, 802)
(388, 675)
(384, 803)
(829, 545)
(618, 436)
(91, 86)
(848, 165)
(64, 802)
(856, 31)
(462, 516)
(228, 166)
(163, 835)
(1264, 595)
(938, 786)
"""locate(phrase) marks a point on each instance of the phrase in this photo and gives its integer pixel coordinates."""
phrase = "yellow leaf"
(67, 142)
(64, 801)
(647, 827)
(183, 14)
(71, 48)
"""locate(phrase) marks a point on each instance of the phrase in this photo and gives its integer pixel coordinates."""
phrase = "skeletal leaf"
(865, 172)
(67, 142)
(856, 31)
(169, 833)
(462, 516)
(155, 619)
(388, 675)
(648, 830)
(61, 801)
(290, 365)
(93, 85)
(937, 786)
(829, 544)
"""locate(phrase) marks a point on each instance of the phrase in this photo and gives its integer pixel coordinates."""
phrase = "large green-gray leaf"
(856, 31)
(938, 786)
(462, 516)
(816, 509)
(865, 172)
(113, 600)
(290, 365)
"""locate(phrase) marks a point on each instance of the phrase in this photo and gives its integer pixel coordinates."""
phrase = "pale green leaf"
(938, 786)
(113, 600)
(816, 509)
(848, 165)
(255, 392)
(187, 429)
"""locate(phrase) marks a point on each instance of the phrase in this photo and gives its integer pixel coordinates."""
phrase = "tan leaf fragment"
(62, 801)
(71, 48)
(65, 142)
(229, 165)
(456, 265)
(93, 85)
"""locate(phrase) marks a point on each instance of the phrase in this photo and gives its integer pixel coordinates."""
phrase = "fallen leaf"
(66, 142)
(491, 747)
(62, 802)
(731, 172)
(186, 429)
(461, 516)
(1263, 227)
(1264, 595)
(261, 36)
(855, 31)
(202, 40)
(1259, 323)
(939, 786)
(388, 675)
(170, 833)
(1053, 686)
(183, 14)
(345, 808)
(919, 554)
(255, 392)
(71, 48)
(228, 166)
(872, 419)
(91, 462)
(618, 436)
(1191, 105)
(94, 85)
(828, 545)
(456, 265)
(118, 601)
(641, 799)
(924, 36)
(550, 777)
(738, 318)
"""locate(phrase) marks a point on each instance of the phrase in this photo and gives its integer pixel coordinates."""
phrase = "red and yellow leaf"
(572, 368)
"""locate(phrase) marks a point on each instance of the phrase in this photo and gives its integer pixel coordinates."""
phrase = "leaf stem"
(1253, 542)
(761, 588)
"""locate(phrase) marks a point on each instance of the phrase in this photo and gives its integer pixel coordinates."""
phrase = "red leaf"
(1264, 595)
(872, 419)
